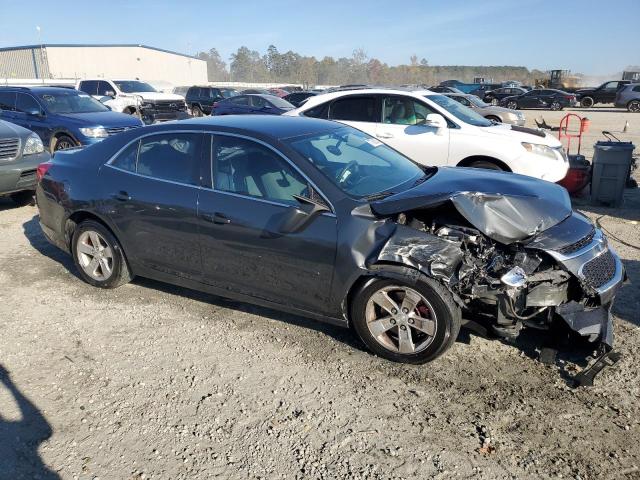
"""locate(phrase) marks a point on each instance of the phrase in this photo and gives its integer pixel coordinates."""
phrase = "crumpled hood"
(504, 206)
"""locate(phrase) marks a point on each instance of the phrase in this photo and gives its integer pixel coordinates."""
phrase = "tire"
(196, 111)
(435, 311)
(555, 106)
(587, 102)
(486, 164)
(634, 106)
(512, 104)
(23, 198)
(63, 142)
(494, 118)
(116, 272)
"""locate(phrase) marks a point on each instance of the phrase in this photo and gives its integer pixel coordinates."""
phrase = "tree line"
(247, 65)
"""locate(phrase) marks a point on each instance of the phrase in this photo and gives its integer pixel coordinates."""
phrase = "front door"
(155, 202)
(30, 114)
(242, 247)
(403, 128)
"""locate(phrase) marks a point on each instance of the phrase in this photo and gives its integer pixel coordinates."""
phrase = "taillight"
(42, 169)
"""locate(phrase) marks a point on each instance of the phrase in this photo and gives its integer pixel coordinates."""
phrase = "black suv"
(201, 99)
(605, 93)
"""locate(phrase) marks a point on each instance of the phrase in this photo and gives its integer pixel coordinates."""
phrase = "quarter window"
(248, 168)
(355, 109)
(171, 156)
(127, 158)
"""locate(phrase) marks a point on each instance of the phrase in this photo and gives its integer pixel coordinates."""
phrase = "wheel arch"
(465, 162)
(56, 134)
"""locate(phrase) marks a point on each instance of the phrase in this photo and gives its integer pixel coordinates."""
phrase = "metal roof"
(105, 45)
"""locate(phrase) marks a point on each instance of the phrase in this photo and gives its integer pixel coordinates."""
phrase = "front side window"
(357, 163)
(134, 86)
(610, 86)
(89, 86)
(354, 109)
(105, 88)
(462, 100)
(27, 104)
(460, 111)
(404, 111)
(70, 101)
(171, 156)
(259, 102)
(248, 168)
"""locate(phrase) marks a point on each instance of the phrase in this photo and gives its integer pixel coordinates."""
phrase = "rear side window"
(171, 156)
(240, 100)
(89, 86)
(259, 102)
(355, 109)
(7, 101)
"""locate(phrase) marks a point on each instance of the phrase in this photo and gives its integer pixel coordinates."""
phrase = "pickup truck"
(605, 93)
(136, 98)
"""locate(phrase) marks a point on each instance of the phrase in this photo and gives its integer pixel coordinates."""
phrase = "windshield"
(279, 102)
(134, 86)
(71, 102)
(360, 165)
(457, 109)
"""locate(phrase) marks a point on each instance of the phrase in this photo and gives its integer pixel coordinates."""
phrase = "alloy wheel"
(555, 106)
(63, 144)
(634, 106)
(494, 101)
(401, 319)
(95, 255)
(512, 105)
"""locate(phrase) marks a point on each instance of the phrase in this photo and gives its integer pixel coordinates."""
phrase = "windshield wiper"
(379, 196)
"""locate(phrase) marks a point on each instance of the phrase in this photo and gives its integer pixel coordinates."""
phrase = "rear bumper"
(21, 174)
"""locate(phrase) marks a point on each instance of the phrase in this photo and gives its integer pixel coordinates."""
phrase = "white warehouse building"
(72, 62)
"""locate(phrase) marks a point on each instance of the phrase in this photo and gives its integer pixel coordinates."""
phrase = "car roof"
(324, 97)
(276, 126)
(40, 89)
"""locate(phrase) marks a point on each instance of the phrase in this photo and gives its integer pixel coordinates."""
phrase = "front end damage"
(513, 260)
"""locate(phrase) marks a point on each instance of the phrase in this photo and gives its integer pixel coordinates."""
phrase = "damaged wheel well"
(479, 159)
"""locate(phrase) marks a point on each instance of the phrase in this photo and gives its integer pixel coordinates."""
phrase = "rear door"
(152, 190)
(8, 106)
(403, 128)
(359, 111)
(242, 247)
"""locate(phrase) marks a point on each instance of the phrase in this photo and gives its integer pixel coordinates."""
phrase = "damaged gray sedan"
(322, 220)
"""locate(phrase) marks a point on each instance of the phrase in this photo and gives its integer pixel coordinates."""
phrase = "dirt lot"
(152, 381)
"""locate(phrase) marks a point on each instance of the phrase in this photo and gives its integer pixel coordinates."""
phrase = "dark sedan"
(251, 104)
(546, 98)
(494, 96)
(320, 219)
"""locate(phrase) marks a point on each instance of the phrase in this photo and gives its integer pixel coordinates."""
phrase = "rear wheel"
(555, 106)
(493, 118)
(22, 198)
(406, 323)
(512, 104)
(98, 256)
(587, 102)
(634, 106)
(63, 142)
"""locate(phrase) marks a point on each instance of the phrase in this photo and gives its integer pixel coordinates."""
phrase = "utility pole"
(41, 53)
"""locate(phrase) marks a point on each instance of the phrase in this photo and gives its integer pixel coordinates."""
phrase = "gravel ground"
(154, 381)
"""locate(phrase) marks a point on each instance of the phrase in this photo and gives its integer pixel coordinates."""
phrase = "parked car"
(200, 100)
(296, 98)
(546, 98)
(256, 91)
(445, 89)
(490, 112)
(252, 104)
(136, 98)
(322, 220)
(629, 97)
(605, 93)
(62, 117)
(21, 151)
(433, 129)
(279, 92)
(494, 96)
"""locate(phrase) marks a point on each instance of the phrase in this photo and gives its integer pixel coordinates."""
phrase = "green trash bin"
(611, 166)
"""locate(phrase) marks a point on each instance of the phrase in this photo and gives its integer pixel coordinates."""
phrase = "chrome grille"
(116, 130)
(600, 270)
(580, 244)
(9, 148)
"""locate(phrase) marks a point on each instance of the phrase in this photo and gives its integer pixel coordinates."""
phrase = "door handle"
(122, 196)
(216, 218)
(384, 135)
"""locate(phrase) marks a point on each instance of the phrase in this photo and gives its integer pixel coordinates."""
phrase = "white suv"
(136, 98)
(433, 129)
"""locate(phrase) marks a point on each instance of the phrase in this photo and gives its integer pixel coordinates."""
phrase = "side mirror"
(110, 93)
(34, 112)
(297, 218)
(435, 120)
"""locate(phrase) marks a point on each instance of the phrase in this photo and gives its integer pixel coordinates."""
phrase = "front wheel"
(98, 256)
(406, 323)
(196, 111)
(556, 106)
(634, 106)
(587, 102)
(513, 105)
(63, 142)
(485, 164)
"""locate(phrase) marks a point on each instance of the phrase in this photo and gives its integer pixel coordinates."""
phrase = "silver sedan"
(490, 112)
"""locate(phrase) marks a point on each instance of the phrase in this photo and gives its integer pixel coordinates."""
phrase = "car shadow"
(20, 439)
(33, 232)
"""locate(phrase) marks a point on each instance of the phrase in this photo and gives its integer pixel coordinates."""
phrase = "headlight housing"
(543, 150)
(94, 132)
(33, 145)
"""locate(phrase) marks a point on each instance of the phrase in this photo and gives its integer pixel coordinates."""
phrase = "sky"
(593, 37)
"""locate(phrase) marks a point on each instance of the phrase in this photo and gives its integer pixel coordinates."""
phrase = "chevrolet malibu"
(322, 220)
